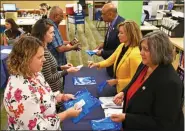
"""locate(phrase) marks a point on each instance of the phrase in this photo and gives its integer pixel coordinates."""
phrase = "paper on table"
(108, 112)
(79, 67)
(80, 104)
(96, 50)
(108, 103)
(6, 51)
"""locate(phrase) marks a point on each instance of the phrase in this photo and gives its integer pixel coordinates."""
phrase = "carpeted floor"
(89, 40)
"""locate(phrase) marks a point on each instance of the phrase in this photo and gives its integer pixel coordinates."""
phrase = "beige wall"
(35, 4)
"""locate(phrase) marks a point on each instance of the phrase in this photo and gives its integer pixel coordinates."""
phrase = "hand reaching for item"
(91, 64)
(64, 97)
(72, 69)
(118, 117)
(118, 99)
(73, 111)
(77, 47)
(98, 53)
(67, 97)
(67, 66)
(112, 82)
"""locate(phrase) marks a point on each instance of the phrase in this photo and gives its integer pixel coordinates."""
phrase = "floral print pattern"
(30, 104)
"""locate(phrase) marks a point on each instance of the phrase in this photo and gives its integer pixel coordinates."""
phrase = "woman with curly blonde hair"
(28, 99)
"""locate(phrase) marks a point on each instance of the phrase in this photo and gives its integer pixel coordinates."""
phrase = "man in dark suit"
(111, 42)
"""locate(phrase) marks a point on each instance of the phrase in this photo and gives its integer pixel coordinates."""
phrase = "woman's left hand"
(118, 117)
(112, 82)
(67, 97)
(69, 65)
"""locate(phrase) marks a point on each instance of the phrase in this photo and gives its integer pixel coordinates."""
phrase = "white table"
(174, 13)
(28, 21)
(148, 27)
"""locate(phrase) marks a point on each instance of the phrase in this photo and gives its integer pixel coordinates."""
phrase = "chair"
(99, 20)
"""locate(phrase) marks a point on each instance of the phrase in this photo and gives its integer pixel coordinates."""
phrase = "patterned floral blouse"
(30, 104)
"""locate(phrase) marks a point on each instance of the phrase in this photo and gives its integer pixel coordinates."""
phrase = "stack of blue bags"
(90, 103)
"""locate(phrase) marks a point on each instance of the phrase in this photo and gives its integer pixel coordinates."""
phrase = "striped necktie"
(109, 30)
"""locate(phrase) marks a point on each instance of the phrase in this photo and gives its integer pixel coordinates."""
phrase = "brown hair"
(40, 28)
(14, 31)
(133, 32)
(22, 52)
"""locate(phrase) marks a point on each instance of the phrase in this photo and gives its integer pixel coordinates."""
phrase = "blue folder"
(84, 81)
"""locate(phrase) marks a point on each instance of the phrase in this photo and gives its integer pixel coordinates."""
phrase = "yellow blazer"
(126, 67)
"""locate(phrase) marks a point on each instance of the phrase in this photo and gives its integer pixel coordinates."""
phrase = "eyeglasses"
(61, 15)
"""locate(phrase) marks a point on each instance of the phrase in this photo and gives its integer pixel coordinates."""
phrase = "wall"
(155, 6)
(131, 9)
(35, 4)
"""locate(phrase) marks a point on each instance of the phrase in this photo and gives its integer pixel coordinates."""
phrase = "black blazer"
(157, 105)
(111, 43)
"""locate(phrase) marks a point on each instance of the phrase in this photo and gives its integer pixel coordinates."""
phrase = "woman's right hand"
(91, 64)
(118, 99)
(72, 70)
(73, 111)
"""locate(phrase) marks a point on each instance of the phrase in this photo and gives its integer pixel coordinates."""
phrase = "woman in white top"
(28, 99)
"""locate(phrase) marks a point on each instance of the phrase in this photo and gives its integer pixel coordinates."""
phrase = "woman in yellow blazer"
(126, 57)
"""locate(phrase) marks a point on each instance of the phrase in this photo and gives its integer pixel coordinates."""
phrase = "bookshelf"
(178, 62)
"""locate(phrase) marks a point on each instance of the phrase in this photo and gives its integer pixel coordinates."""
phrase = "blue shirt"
(57, 41)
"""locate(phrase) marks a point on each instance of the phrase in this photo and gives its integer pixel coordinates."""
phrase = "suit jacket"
(111, 43)
(157, 104)
(126, 67)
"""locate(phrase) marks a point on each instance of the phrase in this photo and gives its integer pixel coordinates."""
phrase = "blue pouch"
(91, 53)
(101, 86)
(90, 103)
(105, 124)
(84, 80)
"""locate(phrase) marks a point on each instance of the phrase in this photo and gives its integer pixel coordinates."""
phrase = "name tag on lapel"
(143, 88)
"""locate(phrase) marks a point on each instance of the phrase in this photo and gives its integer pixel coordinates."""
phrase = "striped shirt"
(50, 72)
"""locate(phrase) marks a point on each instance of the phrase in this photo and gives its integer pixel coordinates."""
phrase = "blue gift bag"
(90, 103)
(91, 53)
(101, 86)
(105, 124)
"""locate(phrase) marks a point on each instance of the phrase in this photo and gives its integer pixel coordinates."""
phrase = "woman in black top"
(12, 31)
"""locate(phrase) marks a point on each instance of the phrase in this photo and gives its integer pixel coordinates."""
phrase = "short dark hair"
(40, 28)
(160, 47)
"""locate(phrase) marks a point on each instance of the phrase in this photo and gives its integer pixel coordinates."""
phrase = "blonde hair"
(22, 53)
(133, 32)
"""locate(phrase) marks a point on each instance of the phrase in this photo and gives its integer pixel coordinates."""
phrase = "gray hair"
(54, 10)
(160, 47)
